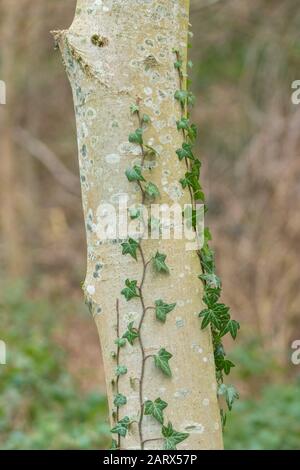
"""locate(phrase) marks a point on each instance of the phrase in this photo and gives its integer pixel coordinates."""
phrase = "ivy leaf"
(185, 152)
(211, 296)
(181, 96)
(207, 235)
(131, 334)
(120, 400)
(192, 132)
(216, 316)
(152, 190)
(161, 361)
(121, 370)
(178, 64)
(191, 99)
(230, 394)
(130, 247)
(155, 409)
(134, 213)
(121, 427)
(172, 437)
(212, 280)
(223, 418)
(207, 259)
(183, 123)
(162, 309)
(232, 327)
(134, 174)
(130, 291)
(120, 342)
(136, 137)
(114, 445)
(146, 119)
(227, 365)
(159, 262)
(134, 108)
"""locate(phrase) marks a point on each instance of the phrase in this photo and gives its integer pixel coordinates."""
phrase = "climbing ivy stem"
(144, 357)
(118, 363)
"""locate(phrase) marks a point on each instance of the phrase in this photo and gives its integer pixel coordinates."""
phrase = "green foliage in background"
(41, 406)
(269, 422)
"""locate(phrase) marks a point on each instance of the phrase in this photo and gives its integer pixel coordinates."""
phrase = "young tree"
(126, 63)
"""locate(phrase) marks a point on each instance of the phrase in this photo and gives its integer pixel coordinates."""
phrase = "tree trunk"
(117, 52)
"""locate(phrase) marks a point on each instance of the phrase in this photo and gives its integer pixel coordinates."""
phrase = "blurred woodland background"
(246, 55)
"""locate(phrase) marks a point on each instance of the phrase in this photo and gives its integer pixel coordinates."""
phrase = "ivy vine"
(215, 315)
(134, 289)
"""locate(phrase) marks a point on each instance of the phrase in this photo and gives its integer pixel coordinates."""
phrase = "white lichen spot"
(113, 158)
(205, 359)
(216, 426)
(174, 191)
(91, 114)
(205, 402)
(91, 289)
(180, 323)
(148, 91)
(131, 316)
(196, 348)
(182, 393)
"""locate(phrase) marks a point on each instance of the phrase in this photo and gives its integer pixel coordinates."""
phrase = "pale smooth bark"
(135, 59)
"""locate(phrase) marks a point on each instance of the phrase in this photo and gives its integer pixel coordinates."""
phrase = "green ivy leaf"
(212, 280)
(227, 365)
(216, 316)
(114, 445)
(136, 137)
(161, 361)
(155, 409)
(134, 174)
(120, 400)
(207, 235)
(130, 247)
(134, 108)
(192, 132)
(146, 119)
(181, 96)
(211, 296)
(130, 291)
(191, 99)
(120, 342)
(185, 152)
(183, 124)
(121, 370)
(134, 213)
(131, 334)
(152, 190)
(178, 64)
(231, 327)
(121, 427)
(162, 309)
(172, 437)
(207, 259)
(159, 262)
(230, 394)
